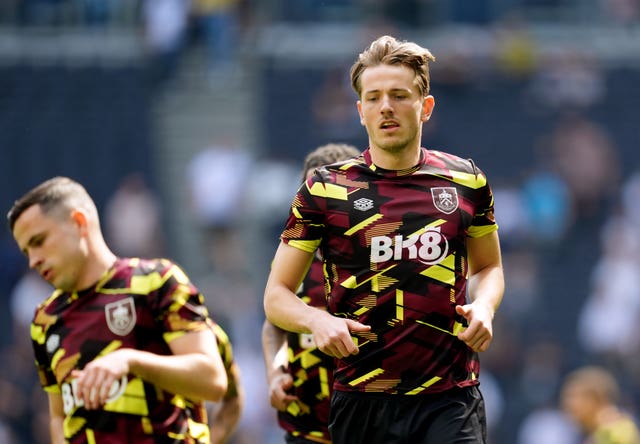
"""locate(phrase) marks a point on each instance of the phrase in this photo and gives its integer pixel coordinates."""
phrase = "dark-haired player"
(413, 265)
(123, 346)
(300, 376)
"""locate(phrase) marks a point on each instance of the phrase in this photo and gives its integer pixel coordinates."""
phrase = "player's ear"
(359, 106)
(80, 218)
(428, 104)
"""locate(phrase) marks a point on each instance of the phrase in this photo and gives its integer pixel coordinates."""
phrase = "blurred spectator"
(567, 78)
(516, 49)
(217, 21)
(132, 218)
(586, 159)
(548, 206)
(591, 397)
(610, 314)
(546, 425)
(611, 311)
(217, 176)
(165, 25)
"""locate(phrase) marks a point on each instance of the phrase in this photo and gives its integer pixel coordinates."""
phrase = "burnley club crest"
(121, 316)
(445, 199)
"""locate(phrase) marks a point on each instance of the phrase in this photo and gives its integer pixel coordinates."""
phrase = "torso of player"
(125, 310)
(395, 250)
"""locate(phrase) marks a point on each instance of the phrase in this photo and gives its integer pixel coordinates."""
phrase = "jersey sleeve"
(180, 305)
(483, 221)
(45, 373)
(305, 225)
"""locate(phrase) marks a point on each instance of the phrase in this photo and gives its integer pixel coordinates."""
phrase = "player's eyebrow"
(393, 90)
(32, 240)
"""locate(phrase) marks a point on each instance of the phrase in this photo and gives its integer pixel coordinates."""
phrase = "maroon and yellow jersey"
(140, 304)
(622, 430)
(226, 353)
(312, 370)
(394, 243)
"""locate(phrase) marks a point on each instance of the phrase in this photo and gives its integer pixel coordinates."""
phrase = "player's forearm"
(225, 421)
(56, 430)
(274, 347)
(285, 310)
(192, 375)
(487, 287)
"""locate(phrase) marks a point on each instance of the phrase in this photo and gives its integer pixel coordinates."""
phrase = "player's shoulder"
(56, 297)
(330, 171)
(155, 271)
(145, 266)
(452, 162)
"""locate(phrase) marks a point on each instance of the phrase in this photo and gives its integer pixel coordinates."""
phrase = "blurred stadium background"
(188, 121)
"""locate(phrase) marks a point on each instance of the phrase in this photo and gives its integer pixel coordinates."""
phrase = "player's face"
(391, 107)
(54, 245)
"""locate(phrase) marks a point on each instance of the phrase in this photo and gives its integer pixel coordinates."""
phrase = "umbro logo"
(53, 342)
(363, 204)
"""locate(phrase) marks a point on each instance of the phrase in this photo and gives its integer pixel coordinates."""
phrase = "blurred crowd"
(560, 154)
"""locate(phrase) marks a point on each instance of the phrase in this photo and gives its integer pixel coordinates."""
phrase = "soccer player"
(123, 346)
(226, 413)
(299, 375)
(412, 262)
(590, 395)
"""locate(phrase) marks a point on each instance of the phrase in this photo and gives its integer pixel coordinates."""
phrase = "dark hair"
(57, 193)
(386, 50)
(326, 154)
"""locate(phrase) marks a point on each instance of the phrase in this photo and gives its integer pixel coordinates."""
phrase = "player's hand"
(479, 333)
(280, 382)
(96, 381)
(333, 335)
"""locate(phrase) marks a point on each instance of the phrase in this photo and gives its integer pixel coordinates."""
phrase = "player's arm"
(274, 350)
(194, 370)
(486, 287)
(282, 307)
(225, 419)
(285, 310)
(56, 418)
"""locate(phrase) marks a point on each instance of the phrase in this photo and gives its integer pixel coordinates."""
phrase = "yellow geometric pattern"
(328, 190)
(443, 272)
(430, 382)
(372, 374)
(351, 281)
(132, 401)
(363, 224)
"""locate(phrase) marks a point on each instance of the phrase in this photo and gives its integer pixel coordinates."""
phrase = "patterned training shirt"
(394, 243)
(226, 353)
(141, 304)
(312, 370)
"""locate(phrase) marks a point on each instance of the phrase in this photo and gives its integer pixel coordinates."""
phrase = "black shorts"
(456, 416)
